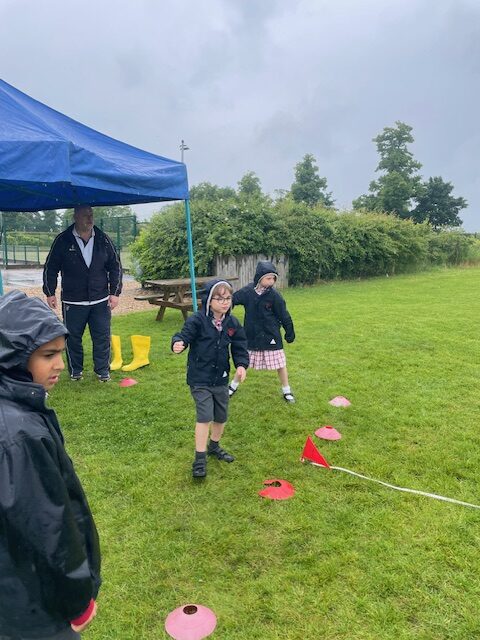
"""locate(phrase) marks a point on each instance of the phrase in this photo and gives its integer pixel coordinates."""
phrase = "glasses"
(218, 299)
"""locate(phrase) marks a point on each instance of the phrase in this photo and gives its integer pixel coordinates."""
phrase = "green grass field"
(344, 558)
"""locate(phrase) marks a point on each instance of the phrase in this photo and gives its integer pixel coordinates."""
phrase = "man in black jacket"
(91, 284)
(49, 550)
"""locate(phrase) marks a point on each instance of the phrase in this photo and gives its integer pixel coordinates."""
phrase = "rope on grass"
(420, 493)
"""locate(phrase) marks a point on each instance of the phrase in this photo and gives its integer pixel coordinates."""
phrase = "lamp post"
(183, 147)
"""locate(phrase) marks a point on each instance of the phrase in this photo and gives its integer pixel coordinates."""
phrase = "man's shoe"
(104, 378)
(199, 468)
(75, 377)
(220, 454)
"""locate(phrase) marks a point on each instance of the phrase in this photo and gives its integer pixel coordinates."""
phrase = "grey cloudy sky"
(253, 85)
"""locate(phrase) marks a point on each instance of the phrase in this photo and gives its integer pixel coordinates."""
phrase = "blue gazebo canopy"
(49, 161)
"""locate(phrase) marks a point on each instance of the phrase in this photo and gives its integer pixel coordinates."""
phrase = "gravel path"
(126, 304)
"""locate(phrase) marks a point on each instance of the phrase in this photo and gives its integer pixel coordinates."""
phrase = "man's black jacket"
(49, 549)
(79, 282)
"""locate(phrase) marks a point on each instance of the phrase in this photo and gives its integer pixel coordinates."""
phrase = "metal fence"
(19, 255)
(25, 248)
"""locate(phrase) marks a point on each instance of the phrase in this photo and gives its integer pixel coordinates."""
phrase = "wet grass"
(344, 558)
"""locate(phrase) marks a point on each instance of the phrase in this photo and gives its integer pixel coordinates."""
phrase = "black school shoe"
(220, 454)
(199, 468)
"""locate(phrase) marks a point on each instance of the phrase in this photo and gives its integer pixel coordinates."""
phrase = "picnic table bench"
(174, 294)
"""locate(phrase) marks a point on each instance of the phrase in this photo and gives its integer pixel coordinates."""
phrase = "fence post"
(119, 247)
(5, 246)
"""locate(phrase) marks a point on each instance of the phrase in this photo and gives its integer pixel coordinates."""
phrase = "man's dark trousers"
(97, 316)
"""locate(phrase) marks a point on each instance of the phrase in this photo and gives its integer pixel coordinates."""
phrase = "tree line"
(55, 221)
(399, 190)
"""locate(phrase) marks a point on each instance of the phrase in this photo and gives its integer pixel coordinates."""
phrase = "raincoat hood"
(264, 267)
(25, 324)
(208, 291)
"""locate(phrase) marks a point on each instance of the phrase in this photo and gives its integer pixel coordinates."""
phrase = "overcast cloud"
(253, 85)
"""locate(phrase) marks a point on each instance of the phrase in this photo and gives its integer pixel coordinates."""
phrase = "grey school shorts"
(211, 403)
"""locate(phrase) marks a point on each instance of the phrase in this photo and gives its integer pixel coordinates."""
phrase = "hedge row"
(320, 243)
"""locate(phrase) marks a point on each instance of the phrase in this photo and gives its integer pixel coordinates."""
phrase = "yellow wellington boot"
(141, 349)
(117, 353)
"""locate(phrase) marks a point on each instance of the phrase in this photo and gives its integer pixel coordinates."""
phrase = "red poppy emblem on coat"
(231, 331)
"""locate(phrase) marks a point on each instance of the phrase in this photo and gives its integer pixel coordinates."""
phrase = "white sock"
(286, 389)
(234, 384)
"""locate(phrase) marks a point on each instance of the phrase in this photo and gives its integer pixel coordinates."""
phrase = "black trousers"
(97, 316)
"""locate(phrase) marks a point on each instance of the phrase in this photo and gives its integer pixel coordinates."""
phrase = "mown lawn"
(344, 558)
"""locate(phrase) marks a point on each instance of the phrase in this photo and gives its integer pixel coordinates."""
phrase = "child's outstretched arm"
(183, 338)
(280, 310)
(239, 350)
(238, 297)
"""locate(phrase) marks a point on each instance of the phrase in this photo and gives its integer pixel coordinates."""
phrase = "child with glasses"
(212, 335)
(265, 313)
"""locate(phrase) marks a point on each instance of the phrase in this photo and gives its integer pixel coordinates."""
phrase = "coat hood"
(25, 324)
(264, 267)
(207, 293)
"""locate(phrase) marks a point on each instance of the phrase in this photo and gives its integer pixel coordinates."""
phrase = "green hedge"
(320, 243)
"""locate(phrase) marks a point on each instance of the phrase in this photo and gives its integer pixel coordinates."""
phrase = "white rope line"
(392, 486)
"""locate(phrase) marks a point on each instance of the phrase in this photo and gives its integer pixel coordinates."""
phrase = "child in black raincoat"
(265, 313)
(211, 335)
(49, 550)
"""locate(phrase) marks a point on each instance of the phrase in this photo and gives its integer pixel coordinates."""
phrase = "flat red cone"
(328, 433)
(277, 489)
(312, 454)
(190, 622)
(340, 401)
(127, 382)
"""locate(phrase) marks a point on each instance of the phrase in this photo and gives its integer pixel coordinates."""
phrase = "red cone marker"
(127, 382)
(340, 401)
(277, 489)
(190, 622)
(328, 433)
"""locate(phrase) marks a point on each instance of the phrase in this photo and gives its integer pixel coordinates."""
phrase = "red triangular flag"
(312, 454)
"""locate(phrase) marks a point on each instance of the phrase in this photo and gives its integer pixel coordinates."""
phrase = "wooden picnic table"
(175, 293)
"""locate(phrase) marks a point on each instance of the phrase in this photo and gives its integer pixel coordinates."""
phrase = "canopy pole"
(1, 234)
(190, 254)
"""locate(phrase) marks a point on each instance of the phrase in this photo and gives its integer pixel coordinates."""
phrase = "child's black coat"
(49, 550)
(208, 356)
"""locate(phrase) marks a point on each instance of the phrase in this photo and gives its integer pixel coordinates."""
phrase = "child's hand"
(178, 347)
(80, 627)
(241, 374)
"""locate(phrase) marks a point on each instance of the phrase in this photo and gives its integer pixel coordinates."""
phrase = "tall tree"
(437, 206)
(212, 192)
(31, 220)
(249, 185)
(309, 187)
(395, 190)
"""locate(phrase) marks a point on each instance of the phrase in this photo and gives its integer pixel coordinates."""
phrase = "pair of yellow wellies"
(140, 350)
